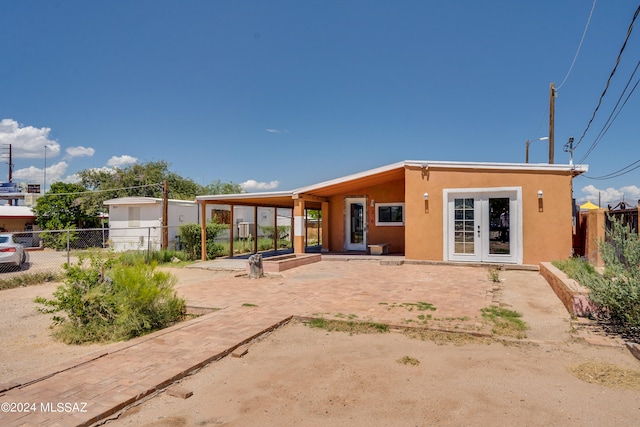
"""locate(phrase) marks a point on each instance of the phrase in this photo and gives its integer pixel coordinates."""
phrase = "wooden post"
(203, 230)
(275, 229)
(165, 215)
(231, 227)
(326, 244)
(552, 108)
(255, 229)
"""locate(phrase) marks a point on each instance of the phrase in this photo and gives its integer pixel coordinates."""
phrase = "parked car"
(12, 254)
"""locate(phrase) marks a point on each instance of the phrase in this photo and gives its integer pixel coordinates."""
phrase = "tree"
(61, 208)
(218, 187)
(142, 180)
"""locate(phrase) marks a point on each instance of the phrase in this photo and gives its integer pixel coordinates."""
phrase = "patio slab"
(400, 295)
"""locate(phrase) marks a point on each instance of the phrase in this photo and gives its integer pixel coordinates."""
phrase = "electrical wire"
(624, 45)
(104, 191)
(584, 33)
(619, 172)
(614, 113)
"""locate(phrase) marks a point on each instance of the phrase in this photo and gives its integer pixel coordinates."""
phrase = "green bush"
(191, 238)
(105, 300)
(268, 230)
(161, 257)
(617, 291)
(574, 267)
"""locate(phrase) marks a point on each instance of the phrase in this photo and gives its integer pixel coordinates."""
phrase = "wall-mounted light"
(426, 196)
(373, 203)
(540, 201)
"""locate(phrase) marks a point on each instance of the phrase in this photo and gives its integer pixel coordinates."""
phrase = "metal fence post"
(148, 245)
(68, 248)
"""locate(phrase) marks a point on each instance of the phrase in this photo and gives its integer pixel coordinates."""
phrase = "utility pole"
(165, 215)
(552, 107)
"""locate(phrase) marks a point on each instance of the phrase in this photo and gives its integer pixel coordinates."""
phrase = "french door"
(483, 226)
(356, 222)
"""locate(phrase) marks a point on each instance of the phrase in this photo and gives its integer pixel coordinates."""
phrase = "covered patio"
(297, 207)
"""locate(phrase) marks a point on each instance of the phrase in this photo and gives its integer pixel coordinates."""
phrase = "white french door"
(356, 222)
(483, 226)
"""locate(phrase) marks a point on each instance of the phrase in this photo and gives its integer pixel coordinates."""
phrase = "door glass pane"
(357, 223)
(499, 226)
(463, 224)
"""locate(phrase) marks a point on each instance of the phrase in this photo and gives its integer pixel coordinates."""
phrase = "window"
(221, 216)
(134, 216)
(389, 214)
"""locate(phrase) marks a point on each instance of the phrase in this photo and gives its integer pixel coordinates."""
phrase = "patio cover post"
(203, 231)
(325, 226)
(275, 230)
(231, 226)
(298, 222)
(255, 229)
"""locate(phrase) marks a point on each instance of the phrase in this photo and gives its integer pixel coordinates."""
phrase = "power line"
(619, 172)
(614, 113)
(105, 191)
(584, 33)
(624, 45)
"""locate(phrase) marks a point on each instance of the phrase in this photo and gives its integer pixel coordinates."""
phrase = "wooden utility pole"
(552, 106)
(165, 215)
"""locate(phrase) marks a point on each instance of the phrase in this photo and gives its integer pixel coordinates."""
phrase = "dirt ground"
(303, 376)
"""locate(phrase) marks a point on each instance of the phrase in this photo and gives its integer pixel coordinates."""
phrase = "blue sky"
(281, 94)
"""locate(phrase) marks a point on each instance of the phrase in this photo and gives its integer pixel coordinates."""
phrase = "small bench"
(379, 249)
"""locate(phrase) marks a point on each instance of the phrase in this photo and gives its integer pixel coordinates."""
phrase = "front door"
(483, 227)
(356, 222)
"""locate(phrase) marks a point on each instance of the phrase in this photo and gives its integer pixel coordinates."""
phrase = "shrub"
(191, 239)
(574, 267)
(105, 300)
(617, 291)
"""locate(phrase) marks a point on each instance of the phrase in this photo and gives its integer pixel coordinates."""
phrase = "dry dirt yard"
(303, 376)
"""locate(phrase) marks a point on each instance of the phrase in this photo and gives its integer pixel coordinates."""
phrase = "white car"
(12, 254)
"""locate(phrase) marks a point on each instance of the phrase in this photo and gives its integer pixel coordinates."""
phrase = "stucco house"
(16, 218)
(507, 213)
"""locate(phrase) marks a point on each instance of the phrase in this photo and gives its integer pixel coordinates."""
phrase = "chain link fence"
(49, 251)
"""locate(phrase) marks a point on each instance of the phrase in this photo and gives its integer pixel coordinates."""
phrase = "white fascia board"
(242, 196)
(132, 201)
(578, 169)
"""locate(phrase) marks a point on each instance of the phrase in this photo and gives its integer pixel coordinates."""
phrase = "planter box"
(285, 262)
(574, 296)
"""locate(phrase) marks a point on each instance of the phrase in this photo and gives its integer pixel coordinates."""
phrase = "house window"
(389, 214)
(134, 216)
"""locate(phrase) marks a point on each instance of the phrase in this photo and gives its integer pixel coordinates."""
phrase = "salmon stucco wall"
(546, 224)
(391, 192)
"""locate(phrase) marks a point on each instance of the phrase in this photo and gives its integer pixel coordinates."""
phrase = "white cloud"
(80, 151)
(32, 174)
(27, 141)
(611, 196)
(252, 184)
(117, 161)
(276, 131)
